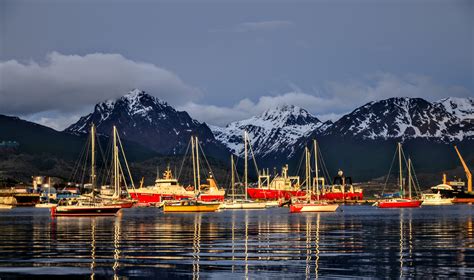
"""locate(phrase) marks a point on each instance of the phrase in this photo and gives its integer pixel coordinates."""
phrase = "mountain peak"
(145, 119)
(276, 129)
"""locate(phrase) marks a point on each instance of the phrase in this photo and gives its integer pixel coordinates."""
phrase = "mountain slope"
(401, 119)
(275, 130)
(44, 151)
(463, 108)
(145, 119)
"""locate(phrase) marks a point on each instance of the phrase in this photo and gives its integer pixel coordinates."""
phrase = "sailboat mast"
(233, 178)
(400, 166)
(409, 178)
(194, 164)
(308, 192)
(316, 166)
(116, 165)
(93, 181)
(197, 164)
(246, 164)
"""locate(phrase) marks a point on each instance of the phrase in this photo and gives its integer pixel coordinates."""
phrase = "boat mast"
(316, 167)
(246, 163)
(194, 164)
(400, 166)
(233, 178)
(116, 165)
(308, 185)
(93, 181)
(409, 178)
(197, 163)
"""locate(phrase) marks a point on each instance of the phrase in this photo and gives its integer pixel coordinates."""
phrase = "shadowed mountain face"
(406, 118)
(145, 119)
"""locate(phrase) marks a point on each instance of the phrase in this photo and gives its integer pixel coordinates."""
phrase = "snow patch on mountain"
(275, 130)
(407, 118)
(463, 108)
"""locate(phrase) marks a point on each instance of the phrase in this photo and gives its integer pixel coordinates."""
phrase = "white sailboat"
(242, 203)
(308, 205)
(86, 205)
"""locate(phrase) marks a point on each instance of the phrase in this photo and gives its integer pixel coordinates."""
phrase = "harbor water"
(145, 243)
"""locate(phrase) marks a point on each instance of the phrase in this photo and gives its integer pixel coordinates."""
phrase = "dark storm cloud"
(70, 82)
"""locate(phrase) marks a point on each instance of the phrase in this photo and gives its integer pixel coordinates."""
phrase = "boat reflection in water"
(143, 243)
(196, 245)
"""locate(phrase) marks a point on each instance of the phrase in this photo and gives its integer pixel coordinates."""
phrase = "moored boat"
(399, 203)
(313, 207)
(190, 206)
(435, 199)
(85, 210)
(402, 202)
(46, 205)
(309, 205)
(165, 188)
(457, 189)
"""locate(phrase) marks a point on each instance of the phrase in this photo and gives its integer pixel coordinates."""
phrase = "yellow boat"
(191, 206)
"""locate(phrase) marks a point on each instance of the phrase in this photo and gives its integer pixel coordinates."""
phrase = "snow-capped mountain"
(283, 131)
(145, 119)
(407, 118)
(275, 130)
(463, 108)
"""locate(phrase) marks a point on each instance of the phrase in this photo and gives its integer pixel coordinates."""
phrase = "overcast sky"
(227, 60)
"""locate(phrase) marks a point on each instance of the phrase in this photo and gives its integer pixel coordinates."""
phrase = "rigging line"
(103, 159)
(324, 168)
(390, 170)
(84, 170)
(301, 162)
(125, 159)
(78, 163)
(253, 157)
(207, 162)
(184, 159)
(414, 179)
(124, 180)
(107, 170)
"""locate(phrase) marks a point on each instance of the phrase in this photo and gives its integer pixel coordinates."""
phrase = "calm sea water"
(144, 243)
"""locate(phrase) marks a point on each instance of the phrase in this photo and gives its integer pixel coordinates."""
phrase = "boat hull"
(443, 201)
(85, 210)
(152, 198)
(211, 197)
(400, 204)
(46, 205)
(244, 205)
(312, 207)
(191, 208)
(269, 194)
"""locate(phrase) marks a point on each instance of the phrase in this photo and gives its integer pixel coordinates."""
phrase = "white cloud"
(332, 100)
(58, 120)
(67, 83)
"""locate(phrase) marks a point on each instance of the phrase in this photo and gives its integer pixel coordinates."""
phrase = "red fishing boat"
(165, 188)
(281, 187)
(168, 187)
